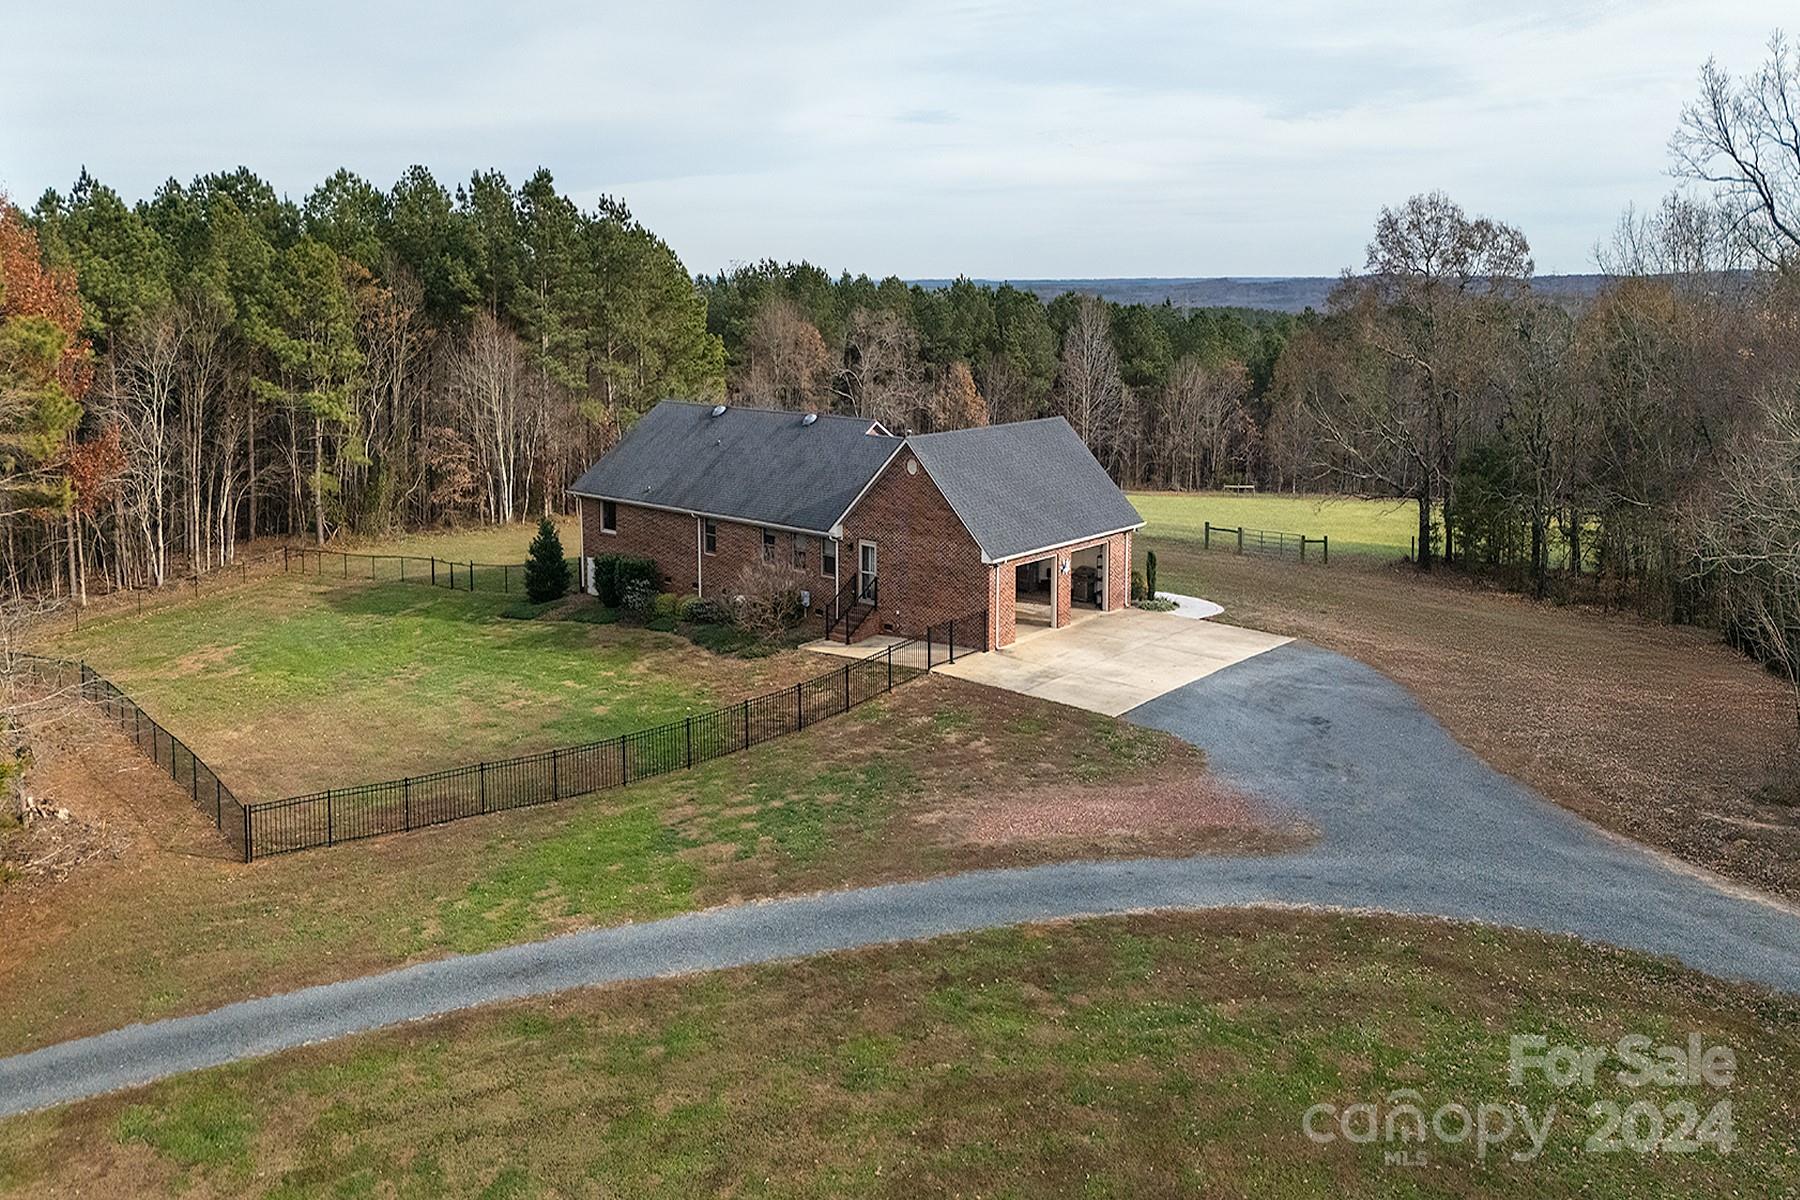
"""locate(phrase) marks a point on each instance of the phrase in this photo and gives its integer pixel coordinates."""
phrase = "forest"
(218, 362)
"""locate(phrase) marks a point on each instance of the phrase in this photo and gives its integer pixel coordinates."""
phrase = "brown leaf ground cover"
(1144, 1056)
(1660, 733)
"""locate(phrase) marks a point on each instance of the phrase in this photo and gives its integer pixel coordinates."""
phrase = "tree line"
(1166, 396)
(219, 362)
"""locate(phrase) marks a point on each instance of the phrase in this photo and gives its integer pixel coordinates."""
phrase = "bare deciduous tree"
(1747, 538)
(1742, 138)
(1090, 393)
(790, 366)
(882, 377)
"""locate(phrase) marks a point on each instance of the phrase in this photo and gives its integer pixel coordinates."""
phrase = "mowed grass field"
(1158, 1055)
(289, 685)
(1366, 528)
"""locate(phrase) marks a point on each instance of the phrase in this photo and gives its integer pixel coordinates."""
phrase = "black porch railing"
(959, 636)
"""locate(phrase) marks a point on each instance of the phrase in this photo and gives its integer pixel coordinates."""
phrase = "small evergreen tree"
(1150, 574)
(547, 571)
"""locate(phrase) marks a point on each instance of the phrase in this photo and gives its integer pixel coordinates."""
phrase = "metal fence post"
(249, 853)
(890, 665)
(218, 803)
(406, 803)
(846, 687)
(624, 768)
(1206, 537)
(952, 639)
(481, 775)
(471, 576)
(746, 724)
(799, 708)
(687, 729)
(330, 820)
(1326, 542)
(1303, 547)
(555, 777)
(1240, 545)
(434, 570)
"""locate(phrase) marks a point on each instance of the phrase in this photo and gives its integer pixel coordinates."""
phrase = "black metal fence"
(410, 568)
(368, 810)
(189, 770)
(1244, 540)
(967, 634)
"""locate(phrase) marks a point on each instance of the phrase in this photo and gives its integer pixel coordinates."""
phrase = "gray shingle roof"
(1024, 486)
(753, 464)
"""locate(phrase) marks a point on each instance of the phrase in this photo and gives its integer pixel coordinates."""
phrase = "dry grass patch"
(1660, 733)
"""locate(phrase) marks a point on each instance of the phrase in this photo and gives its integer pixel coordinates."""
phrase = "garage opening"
(1034, 592)
(1087, 578)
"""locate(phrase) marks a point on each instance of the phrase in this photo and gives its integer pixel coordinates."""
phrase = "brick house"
(894, 534)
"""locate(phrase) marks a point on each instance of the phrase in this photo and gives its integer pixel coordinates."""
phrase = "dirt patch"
(1660, 733)
(1138, 812)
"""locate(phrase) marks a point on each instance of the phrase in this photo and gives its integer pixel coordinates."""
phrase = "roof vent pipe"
(809, 418)
(718, 410)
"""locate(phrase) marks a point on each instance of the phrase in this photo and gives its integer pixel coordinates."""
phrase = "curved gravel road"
(1411, 823)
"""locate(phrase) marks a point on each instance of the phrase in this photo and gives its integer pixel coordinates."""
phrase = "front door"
(865, 573)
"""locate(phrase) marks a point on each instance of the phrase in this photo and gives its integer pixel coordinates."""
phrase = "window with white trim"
(800, 551)
(609, 517)
(768, 545)
(710, 537)
(828, 557)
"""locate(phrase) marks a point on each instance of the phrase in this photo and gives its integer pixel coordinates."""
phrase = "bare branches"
(1742, 140)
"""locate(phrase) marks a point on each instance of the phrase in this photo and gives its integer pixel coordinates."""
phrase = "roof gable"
(1024, 486)
(751, 464)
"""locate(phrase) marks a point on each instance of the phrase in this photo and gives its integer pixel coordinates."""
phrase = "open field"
(939, 776)
(1155, 1055)
(1369, 528)
(478, 543)
(1660, 733)
(289, 685)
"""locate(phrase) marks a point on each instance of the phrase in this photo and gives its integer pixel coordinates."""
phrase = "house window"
(800, 551)
(768, 545)
(710, 537)
(609, 517)
(828, 557)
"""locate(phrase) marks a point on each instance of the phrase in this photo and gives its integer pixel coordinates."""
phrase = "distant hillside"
(1282, 294)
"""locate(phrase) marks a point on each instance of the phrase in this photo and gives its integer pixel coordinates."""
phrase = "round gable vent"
(912, 466)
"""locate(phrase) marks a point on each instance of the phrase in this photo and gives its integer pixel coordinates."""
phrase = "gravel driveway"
(1411, 823)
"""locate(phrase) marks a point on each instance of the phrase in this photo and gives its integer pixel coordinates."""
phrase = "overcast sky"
(1008, 139)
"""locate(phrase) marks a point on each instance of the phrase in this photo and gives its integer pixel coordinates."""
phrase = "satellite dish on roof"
(809, 418)
(718, 410)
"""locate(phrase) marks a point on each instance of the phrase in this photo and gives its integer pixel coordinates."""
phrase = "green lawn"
(290, 685)
(903, 787)
(1149, 1056)
(1371, 528)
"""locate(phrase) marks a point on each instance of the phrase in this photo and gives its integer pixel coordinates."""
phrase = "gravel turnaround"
(1411, 823)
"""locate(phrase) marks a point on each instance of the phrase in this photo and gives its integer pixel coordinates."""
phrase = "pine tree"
(547, 571)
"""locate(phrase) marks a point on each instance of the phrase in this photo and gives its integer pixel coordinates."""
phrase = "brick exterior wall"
(929, 567)
(672, 540)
